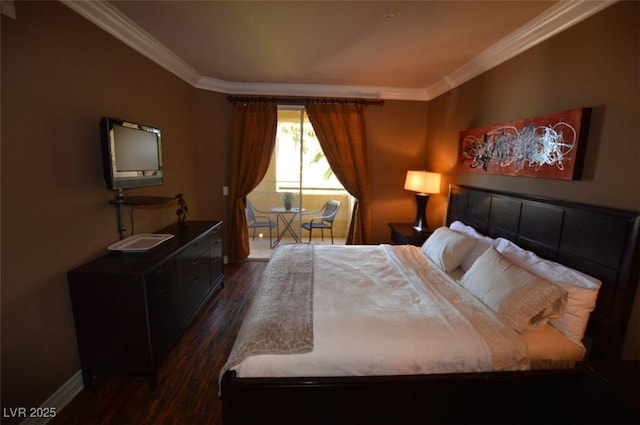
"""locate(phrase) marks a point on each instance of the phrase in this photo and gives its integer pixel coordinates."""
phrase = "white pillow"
(522, 299)
(459, 226)
(447, 248)
(482, 243)
(582, 288)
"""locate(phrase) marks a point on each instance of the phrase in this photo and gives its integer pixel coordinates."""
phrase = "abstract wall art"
(550, 146)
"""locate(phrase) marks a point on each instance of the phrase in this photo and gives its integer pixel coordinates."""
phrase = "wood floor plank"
(187, 388)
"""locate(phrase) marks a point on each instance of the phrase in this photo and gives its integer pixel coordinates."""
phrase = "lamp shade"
(422, 182)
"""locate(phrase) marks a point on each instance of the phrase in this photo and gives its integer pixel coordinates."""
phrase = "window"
(299, 160)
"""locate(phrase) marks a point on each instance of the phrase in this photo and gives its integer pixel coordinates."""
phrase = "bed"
(319, 348)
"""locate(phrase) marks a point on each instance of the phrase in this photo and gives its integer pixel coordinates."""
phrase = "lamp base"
(420, 223)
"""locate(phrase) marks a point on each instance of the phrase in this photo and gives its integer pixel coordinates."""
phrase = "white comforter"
(387, 310)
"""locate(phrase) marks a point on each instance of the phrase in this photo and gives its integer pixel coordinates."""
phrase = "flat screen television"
(131, 152)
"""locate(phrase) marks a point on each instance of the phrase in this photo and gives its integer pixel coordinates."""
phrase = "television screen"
(132, 154)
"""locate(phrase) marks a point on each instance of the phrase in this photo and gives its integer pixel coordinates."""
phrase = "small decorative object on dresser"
(182, 210)
(406, 234)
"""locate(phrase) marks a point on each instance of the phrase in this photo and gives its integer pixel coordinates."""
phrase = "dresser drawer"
(164, 324)
(215, 235)
(192, 263)
(162, 283)
(194, 271)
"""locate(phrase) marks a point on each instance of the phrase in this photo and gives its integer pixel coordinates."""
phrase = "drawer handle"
(194, 262)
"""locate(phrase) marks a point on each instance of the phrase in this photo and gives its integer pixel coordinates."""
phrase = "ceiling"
(413, 50)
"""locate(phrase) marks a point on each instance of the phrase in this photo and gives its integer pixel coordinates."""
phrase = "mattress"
(388, 310)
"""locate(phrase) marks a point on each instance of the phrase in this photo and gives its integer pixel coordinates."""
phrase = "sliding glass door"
(299, 173)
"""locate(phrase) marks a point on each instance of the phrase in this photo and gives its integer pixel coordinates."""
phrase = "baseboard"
(59, 399)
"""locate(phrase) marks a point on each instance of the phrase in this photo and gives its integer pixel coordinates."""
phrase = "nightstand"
(405, 234)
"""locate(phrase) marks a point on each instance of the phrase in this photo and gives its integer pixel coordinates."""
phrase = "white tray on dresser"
(140, 243)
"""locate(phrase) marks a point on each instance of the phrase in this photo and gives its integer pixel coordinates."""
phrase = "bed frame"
(602, 242)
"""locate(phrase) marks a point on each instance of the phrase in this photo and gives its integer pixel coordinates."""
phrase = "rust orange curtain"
(340, 128)
(254, 136)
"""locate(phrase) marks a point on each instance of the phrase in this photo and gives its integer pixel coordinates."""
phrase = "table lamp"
(423, 183)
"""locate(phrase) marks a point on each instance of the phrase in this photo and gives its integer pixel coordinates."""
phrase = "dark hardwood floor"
(187, 389)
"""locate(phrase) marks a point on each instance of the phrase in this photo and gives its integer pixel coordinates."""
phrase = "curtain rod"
(303, 100)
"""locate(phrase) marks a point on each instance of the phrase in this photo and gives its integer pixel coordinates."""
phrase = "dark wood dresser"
(130, 308)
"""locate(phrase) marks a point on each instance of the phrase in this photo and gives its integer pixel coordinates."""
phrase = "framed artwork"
(550, 146)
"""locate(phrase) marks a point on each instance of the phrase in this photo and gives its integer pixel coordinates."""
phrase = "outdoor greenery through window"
(300, 162)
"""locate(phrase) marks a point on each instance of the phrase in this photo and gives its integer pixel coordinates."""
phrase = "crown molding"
(310, 90)
(549, 23)
(556, 19)
(114, 22)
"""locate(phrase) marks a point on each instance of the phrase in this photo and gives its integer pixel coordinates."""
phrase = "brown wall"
(594, 64)
(213, 117)
(60, 73)
(396, 133)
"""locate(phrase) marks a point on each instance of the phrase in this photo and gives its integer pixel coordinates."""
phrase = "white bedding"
(550, 349)
(373, 314)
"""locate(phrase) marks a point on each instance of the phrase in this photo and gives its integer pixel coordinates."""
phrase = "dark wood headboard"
(601, 242)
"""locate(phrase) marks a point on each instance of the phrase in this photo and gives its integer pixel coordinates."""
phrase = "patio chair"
(324, 221)
(259, 222)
